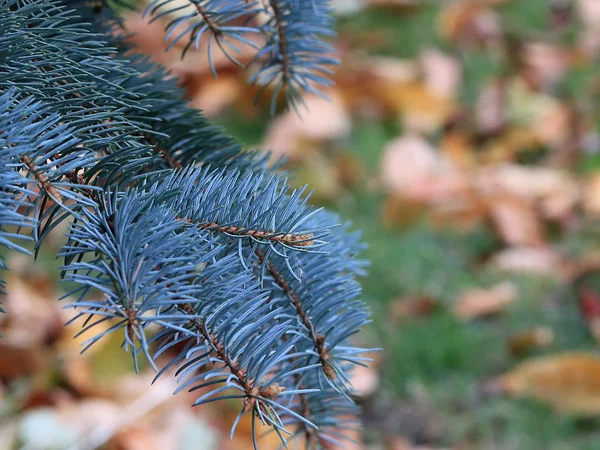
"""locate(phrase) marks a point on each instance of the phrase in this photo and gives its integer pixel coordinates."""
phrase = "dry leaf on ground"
(545, 64)
(414, 169)
(516, 222)
(523, 342)
(530, 260)
(442, 73)
(554, 191)
(407, 308)
(322, 120)
(364, 81)
(591, 195)
(490, 110)
(32, 322)
(570, 381)
(475, 303)
(470, 22)
(420, 109)
(589, 11)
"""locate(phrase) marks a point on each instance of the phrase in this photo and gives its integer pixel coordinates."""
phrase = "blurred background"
(462, 138)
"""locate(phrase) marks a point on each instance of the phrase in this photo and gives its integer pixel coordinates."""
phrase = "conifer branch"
(292, 240)
(319, 340)
(248, 385)
(214, 27)
(43, 181)
(283, 43)
(166, 211)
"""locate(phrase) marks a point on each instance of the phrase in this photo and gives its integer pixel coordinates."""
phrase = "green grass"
(396, 35)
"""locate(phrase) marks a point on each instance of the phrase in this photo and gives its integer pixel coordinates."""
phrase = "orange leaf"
(570, 382)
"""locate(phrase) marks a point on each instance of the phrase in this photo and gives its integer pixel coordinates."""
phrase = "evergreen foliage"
(186, 244)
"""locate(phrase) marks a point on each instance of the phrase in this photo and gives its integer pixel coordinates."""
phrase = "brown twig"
(42, 179)
(325, 358)
(309, 434)
(283, 43)
(294, 240)
(212, 25)
(247, 384)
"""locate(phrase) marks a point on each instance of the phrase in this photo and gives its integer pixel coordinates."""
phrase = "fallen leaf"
(570, 382)
(401, 211)
(591, 195)
(442, 73)
(589, 12)
(546, 115)
(510, 144)
(30, 319)
(364, 82)
(322, 120)
(470, 22)
(389, 70)
(32, 322)
(413, 168)
(516, 222)
(553, 191)
(406, 308)
(459, 149)
(490, 110)
(420, 109)
(530, 260)
(523, 342)
(553, 126)
(545, 64)
(475, 303)
(179, 429)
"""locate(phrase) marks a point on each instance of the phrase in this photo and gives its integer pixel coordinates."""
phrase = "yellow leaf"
(421, 109)
(570, 382)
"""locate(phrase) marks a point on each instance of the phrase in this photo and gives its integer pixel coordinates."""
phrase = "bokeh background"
(462, 138)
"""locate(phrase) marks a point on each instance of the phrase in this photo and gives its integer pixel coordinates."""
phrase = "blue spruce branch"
(179, 240)
(295, 57)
